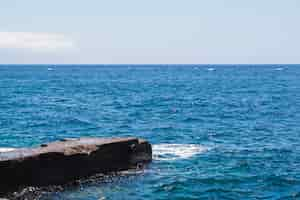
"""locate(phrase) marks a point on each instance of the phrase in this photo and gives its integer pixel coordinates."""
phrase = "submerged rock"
(67, 160)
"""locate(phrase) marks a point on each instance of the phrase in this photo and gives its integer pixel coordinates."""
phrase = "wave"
(3, 150)
(211, 69)
(176, 151)
(279, 69)
(80, 122)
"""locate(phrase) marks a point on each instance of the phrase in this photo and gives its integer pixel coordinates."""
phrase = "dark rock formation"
(68, 160)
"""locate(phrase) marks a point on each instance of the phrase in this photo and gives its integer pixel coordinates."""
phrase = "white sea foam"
(3, 150)
(176, 151)
(211, 69)
(279, 69)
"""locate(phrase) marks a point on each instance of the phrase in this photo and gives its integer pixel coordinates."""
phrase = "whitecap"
(211, 69)
(3, 150)
(176, 151)
(279, 69)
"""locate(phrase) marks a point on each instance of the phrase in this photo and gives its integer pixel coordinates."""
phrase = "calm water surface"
(219, 132)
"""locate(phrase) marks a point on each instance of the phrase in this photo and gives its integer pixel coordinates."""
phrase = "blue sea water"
(218, 131)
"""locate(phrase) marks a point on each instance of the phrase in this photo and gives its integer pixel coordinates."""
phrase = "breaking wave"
(177, 151)
(3, 150)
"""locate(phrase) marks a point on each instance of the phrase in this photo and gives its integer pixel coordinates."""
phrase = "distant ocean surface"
(218, 131)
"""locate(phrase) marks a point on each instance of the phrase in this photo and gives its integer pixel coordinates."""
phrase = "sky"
(149, 32)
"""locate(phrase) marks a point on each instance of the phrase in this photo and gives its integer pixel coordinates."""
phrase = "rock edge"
(67, 160)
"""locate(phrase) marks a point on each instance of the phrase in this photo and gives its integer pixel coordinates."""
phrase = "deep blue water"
(219, 132)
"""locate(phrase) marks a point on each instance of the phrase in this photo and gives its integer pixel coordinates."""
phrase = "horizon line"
(125, 64)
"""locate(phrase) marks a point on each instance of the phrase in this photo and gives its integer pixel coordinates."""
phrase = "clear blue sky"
(152, 31)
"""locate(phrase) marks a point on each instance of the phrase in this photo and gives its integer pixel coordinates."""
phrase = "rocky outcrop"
(68, 160)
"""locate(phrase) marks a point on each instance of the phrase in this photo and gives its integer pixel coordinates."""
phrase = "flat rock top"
(65, 146)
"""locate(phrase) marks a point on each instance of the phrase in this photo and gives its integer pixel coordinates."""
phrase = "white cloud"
(35, 41)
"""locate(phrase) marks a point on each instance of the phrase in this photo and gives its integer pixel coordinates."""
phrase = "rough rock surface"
(68, 160)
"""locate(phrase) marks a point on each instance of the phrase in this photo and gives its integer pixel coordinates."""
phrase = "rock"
(69, 160)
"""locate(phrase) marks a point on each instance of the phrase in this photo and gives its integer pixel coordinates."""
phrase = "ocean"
(218, 131)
